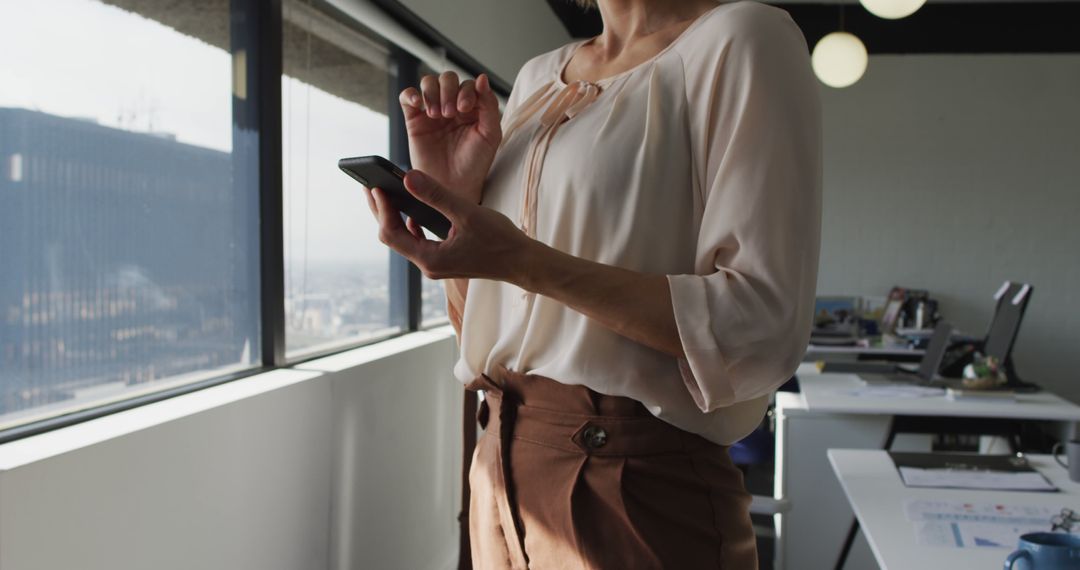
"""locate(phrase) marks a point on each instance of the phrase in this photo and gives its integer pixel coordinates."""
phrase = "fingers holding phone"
(376, 172)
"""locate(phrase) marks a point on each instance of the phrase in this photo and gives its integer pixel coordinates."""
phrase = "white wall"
(955, 173)
(501, 34)
(346, 462)
(396, 426)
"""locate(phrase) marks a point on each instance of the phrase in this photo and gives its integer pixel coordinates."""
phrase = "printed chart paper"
(959, 524)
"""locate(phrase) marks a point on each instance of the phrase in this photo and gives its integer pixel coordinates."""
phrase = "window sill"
(71, 438)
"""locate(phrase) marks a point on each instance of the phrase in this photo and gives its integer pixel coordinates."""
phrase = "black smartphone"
(377, 172)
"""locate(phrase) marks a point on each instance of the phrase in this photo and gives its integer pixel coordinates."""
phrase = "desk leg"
(812, 533)
(848, 543)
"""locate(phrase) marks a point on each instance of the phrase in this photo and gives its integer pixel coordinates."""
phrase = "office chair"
(759, 448)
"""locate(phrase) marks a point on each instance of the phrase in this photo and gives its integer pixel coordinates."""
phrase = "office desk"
(824, 415)
(877, 495)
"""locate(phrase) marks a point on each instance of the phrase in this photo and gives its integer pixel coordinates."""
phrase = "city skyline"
(132, 244)
(98, 310)
(182, 90)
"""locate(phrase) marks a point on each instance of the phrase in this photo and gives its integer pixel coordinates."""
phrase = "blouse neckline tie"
(562, 104)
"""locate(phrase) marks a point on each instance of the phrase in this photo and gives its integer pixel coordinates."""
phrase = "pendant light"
(892, 9)
(840, 58)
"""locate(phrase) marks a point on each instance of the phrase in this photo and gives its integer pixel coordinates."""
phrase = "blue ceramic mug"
(1046, 551)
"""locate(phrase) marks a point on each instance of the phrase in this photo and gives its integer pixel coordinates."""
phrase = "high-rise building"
(127, 257)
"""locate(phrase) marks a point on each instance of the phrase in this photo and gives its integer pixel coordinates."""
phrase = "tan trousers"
(567, 478)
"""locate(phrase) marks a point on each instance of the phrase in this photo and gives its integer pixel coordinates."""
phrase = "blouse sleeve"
(744, 317)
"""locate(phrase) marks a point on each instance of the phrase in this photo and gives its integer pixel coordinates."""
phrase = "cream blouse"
(703, 164)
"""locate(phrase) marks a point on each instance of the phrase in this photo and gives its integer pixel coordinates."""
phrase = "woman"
(630, 272)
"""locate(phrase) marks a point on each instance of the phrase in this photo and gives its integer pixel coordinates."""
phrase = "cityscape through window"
(129, 245)
(335, 100)
(129, 198)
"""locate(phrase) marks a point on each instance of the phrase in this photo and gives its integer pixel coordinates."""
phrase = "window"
(130, 258)
(433, 299)
(335, 99)
(128, 244)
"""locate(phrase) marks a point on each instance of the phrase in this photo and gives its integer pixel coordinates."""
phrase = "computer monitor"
(935, 350)
(928, 367)
(1012, 300)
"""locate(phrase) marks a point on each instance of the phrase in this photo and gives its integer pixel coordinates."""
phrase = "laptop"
(928, 366)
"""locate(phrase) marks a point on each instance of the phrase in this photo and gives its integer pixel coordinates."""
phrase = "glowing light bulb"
(839, 59)
(892, 9)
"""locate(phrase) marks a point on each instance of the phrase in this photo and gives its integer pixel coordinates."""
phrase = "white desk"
(832, 394)
(828, 352)
(877, 495)
(867, 350)
(825, 416)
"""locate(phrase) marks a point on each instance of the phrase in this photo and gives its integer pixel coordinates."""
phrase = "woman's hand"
(453, 131)
(482, 242)
(485, 244)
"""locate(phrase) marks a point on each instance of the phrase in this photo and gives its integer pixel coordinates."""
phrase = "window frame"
(256, 29)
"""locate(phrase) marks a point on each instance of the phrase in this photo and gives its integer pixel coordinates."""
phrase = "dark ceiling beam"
(967, 28)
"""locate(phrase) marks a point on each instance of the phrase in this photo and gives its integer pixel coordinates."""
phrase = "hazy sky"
(81, 58)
